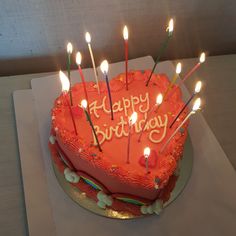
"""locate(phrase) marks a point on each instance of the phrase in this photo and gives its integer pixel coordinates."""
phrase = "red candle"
(78, 62)
(126, 36)
(65, 88)
(69, 52)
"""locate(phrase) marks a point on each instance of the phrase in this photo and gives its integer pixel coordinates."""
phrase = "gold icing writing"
(157, 125)
(136, 103)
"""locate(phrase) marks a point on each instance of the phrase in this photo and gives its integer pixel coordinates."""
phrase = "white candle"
(88, 40)
(196, 106)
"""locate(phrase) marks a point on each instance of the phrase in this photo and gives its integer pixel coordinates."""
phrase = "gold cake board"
(185, 169)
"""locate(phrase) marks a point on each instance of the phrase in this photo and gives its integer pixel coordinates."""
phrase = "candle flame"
(198, 87)
(133, 118)
(146, 152)
(69, 48)
(202, 57)
(78, 58)
(104, 67)
(125, 33)
(178, 68)
(159, 99)
(171, 26)
(88, 37)
(84, 103)
(196, 104)
(65, 83)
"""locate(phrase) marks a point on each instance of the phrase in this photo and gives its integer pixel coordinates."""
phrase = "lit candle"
(104, 68)
(170, 29)
(146, 154)
(177, 72)
(126, 36)
(84, 106)
(196, 106)
(201, 60)
(198, 87)
(65, 88)
(159, 100)
(78, 62)
(88, 40)
(69, 52)
(132, 121)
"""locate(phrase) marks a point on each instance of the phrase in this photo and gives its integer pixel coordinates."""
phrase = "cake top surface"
(113, 134)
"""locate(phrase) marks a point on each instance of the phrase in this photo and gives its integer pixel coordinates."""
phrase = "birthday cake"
(118, 175)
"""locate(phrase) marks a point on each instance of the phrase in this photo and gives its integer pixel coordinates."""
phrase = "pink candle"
(146, 154)
(65, 88)
(126, 36)
(78, 62)
(132, 121)
(201, 60)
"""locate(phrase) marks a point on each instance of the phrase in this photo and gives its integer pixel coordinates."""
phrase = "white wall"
(33, 33)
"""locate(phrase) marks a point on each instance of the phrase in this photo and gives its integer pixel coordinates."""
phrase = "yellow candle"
(178, 71)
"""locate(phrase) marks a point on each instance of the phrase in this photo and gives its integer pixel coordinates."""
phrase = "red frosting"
(109, 166)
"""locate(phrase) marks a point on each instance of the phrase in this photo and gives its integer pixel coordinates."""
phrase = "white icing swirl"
(103, 200)
(156, 208)
(71, 176)
(101, 204)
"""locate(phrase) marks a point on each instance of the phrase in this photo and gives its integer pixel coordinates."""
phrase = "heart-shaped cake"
(105, 175)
